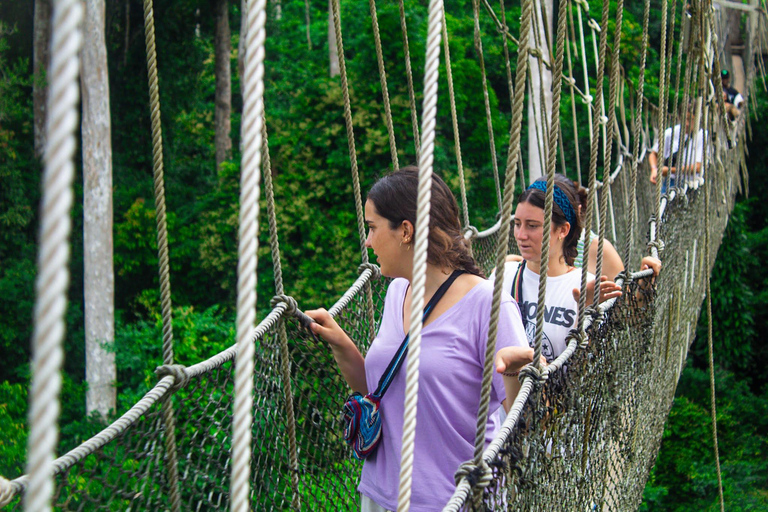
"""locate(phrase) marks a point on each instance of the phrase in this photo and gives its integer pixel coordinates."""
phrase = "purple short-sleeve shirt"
(450, 376)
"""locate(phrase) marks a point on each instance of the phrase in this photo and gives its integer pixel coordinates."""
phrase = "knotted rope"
(455, 124)
(421, 235)
(708, 262)
(409, 77)
(253, 118)
(285, 357)
(162, 249)
(53, 256)
(486, 99)
(608, 144)
(594, 144)
(504, 223)
(383, 81)
(352, 156)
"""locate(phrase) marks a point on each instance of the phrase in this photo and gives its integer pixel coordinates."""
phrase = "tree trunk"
(41, 60)
(333, 54)
(222, 44)
(241, 43)
(97, 214)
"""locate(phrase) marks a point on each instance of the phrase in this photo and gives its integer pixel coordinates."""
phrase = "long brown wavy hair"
(394, 197)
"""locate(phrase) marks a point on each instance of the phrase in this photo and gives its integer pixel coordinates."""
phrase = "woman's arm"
(509, 362)
(348, 357)
(612, 263)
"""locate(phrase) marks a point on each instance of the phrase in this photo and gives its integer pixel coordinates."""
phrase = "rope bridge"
(258, 425)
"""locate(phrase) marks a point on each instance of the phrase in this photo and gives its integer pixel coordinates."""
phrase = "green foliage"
(684, 477)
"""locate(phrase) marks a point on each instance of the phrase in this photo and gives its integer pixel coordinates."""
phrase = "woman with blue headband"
(521, 279)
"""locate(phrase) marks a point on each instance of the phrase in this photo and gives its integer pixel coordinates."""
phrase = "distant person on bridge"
(677, 162)
(733, 99)
(452, 350)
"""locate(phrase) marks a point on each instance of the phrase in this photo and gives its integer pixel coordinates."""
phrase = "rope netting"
(583, 431)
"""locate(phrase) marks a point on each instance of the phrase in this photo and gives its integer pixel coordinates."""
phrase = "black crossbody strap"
(517, 288)
(397, 360)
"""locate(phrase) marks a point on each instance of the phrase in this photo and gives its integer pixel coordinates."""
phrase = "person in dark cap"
(733, 99)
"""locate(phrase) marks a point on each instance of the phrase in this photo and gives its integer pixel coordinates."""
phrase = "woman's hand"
(608, 290)
(652, 263)
(511, 359)
(345, 352)
(326, 327)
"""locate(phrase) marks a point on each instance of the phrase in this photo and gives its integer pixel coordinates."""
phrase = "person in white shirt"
(687, 161)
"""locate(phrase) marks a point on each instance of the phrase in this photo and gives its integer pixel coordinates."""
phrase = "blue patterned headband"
(561, 200)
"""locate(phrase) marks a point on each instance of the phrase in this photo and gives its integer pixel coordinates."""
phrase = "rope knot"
(570, 81)
(290, 302)
(658, 244)
(478, 476)
(580, 336)
(530, 371)
(375, 270)
(6, 492)
(594, 26)
(535, 52)
(603, 120)
(470, 233)
(177, 371)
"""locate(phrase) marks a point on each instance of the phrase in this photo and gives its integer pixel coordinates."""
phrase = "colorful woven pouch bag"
(361, 416)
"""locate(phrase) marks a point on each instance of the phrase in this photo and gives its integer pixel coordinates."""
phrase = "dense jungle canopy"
(315, 212)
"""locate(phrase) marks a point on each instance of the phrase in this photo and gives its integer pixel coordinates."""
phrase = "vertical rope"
(285, 356)
(663, 100)
(572, 84)
(486, 100)
(409, 77)
(383, 80)
(557, 80)
(707, 242)
(426, 157)
(253, 116)
(53, 256)
(455, 124)
(594, 144)
(513, 157)
(638, 127)
(169, 420)
(608, 140)
(353, 160)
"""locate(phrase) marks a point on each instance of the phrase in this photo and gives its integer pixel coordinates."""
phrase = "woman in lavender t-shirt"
(452, 349)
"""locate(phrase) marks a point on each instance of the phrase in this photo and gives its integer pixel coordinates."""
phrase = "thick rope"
(53, 256)
(353, 157)
(554, 133)
(571, 87)
(486, 99)
(708, 262)
(518, 102)
(426, 157)
(409, 77)
(455, 125)
(637, 135)
(594, 145)
(383, 80)
(253, 117)
(665, 67)
(172, 466)
(285, 356)
(608, 141)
